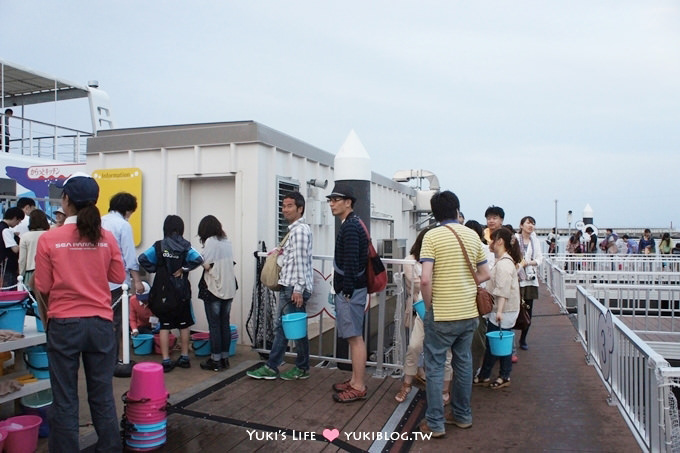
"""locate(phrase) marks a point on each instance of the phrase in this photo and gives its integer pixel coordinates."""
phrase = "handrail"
(629, 369)
(387, 359)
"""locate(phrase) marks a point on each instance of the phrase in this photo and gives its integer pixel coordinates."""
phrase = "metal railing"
(602, 262)
(630, 370)
(45, 140)
(386, 337)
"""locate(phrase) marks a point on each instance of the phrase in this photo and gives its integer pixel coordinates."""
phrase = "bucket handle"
(127, 400)
(36, 368)
(142, 343)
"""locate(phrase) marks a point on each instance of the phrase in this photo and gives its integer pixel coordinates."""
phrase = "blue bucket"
(234, 340)
(201, 344)
(143, 344)
(420, 308)
(500, 342)
(294, 325)
(38, 323)
(12, 317)
(37, 362)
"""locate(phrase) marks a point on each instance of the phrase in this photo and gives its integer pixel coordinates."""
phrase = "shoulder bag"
(376, 276)
(484, 298)
(523, 319)
(271, 271)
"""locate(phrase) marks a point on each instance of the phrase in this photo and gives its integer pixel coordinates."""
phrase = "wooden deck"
(556, 403)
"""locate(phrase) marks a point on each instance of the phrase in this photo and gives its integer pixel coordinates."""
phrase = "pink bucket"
(22, 433)
(172, 340)
(147, 382)
(142, 419)
(144, 414)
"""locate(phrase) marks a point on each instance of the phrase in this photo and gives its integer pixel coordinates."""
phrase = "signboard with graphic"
(114, 180)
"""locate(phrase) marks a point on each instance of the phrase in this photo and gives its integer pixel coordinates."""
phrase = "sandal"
(479, 381)
(342, 386)
(499, 383)
(351, 394)
(403, 392)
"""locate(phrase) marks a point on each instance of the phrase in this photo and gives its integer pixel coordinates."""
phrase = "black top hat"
(342, 190)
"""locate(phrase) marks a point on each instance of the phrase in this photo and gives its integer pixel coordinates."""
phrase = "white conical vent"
(587, 212)
(352, 162)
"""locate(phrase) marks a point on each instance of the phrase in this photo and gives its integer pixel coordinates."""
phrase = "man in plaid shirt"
(296, 280)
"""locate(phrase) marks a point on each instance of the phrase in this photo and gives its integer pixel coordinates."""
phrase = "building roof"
(207, 134)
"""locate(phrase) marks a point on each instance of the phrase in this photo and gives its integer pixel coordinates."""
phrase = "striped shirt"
(453, 286)
(296, 268)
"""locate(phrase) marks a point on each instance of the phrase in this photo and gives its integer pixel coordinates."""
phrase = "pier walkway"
(556, 403)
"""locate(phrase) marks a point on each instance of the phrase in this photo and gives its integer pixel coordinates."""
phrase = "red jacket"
(76, 274)
(139, 314)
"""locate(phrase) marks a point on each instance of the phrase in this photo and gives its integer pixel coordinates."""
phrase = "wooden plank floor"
(556, 403)
(276, 415)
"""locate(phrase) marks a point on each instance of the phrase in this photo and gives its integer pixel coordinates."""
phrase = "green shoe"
(264, 372)
(295, 373)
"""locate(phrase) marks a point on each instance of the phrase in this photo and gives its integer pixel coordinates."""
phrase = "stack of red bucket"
(145, 414)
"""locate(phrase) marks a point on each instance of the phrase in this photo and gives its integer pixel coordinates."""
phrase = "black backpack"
(168, 292)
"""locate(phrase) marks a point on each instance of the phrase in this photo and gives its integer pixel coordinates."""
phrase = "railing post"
(380, 353)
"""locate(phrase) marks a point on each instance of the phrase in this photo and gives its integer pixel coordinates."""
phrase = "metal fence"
(384, 329)
(630, 370)
(39, 139)
(602, 262)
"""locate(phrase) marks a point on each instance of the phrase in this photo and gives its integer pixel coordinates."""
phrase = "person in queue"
(74, 264)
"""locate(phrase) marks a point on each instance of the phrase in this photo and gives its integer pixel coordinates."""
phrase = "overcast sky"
(509, 103)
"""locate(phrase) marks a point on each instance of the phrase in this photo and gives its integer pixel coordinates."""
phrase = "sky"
(515, 104)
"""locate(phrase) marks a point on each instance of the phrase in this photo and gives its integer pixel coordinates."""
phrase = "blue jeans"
(67, 341)
(217, 311)
(490, 359)
(441, 336)
(280, 342)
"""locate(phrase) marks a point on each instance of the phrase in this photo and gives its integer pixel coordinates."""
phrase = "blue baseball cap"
(80, 188)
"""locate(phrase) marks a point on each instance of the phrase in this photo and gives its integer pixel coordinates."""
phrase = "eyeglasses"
(335, 199)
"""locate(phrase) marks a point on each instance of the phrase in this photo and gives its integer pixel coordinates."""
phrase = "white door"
(201, 197)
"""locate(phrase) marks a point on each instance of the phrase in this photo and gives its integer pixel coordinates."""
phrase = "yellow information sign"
(114, 180)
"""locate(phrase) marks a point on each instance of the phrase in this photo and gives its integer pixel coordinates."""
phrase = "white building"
(239, 172)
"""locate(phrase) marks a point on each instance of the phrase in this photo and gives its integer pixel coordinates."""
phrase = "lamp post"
(570, 217)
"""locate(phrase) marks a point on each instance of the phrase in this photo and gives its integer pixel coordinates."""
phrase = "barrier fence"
(384, 327)
(613, 308)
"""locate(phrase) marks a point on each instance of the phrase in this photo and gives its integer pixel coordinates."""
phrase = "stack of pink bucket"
(145, 415)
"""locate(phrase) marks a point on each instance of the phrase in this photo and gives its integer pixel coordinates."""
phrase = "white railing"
(562, 275)
(386, 336)
(553, 276)
(631, 371)
(632, 263)
(49, 141)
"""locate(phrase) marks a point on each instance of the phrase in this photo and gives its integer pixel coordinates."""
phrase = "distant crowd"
(613, 244)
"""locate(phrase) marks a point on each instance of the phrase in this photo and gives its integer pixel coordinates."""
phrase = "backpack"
(168, 293)
(376, 276)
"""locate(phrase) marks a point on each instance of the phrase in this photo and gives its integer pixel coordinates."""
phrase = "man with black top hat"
(349, 283)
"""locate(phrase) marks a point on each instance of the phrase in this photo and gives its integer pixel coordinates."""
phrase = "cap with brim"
(80, 188)
(342, 191)
(59, 211)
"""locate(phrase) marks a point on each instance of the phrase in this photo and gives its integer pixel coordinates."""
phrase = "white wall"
(237, 183)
